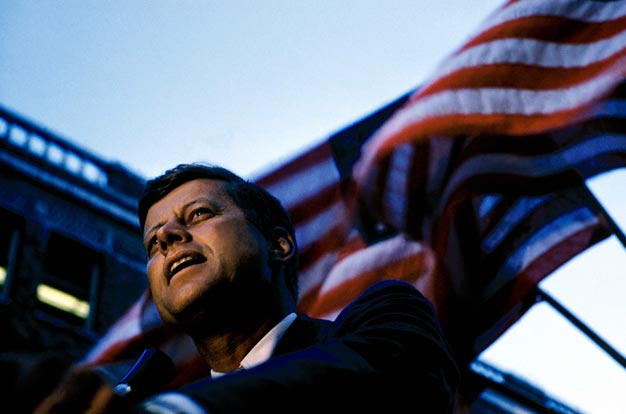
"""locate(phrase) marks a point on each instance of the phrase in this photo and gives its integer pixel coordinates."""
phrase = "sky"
(250, 84)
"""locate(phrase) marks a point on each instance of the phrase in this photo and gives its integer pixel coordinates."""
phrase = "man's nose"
(170, 233)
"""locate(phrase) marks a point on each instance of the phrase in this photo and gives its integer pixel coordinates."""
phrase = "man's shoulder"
(390, 288)
(387, 295)
(394, 284)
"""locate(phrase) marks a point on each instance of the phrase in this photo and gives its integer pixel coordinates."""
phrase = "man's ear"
(283, 245)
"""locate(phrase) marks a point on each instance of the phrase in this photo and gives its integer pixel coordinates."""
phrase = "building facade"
(71, 258)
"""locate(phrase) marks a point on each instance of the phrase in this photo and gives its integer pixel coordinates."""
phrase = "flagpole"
(544, 296)
(609, 220)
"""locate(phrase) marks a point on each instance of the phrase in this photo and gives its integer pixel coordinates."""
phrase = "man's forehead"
(191, 191)
(197, 187)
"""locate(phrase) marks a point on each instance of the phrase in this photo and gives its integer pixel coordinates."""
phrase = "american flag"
(486, 161)
(471, 186)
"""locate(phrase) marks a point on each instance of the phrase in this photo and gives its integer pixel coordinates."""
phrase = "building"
(71, 257)
(493, 391)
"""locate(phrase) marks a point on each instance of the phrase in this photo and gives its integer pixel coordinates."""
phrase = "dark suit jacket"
(384, 353)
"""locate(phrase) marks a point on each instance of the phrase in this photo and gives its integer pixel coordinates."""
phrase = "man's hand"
(82, 391)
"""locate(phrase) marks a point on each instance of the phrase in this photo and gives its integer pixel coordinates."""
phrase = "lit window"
(55, 154)
(4, 128)
(37, 145)
(66, 291)
(18, 136)
(63, 301)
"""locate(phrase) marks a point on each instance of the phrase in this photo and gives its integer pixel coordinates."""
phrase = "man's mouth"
(183, 263)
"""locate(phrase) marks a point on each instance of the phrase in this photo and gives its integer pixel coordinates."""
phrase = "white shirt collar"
(263, 349)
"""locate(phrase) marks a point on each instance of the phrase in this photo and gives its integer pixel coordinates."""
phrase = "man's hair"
(260, 207)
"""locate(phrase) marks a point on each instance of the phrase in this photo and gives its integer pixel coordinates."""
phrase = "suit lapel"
(303, 332)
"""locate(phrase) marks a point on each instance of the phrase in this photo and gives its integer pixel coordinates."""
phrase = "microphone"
(152, 370)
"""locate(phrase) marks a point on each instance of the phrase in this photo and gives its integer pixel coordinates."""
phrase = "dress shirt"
(176, 403)
(262, 351)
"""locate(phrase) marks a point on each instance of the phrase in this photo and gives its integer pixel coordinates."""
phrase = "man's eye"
(151, 245)
(154, 242)
(200, 213)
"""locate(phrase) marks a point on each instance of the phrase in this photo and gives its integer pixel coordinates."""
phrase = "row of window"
(52, 153)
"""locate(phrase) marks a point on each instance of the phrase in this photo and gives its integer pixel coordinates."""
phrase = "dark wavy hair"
(260, 207)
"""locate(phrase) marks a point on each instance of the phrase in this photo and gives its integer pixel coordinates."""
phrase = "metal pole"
(609, 220)
(541, 295)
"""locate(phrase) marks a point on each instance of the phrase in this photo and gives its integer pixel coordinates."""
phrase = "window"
(10, 232)
(67, 291)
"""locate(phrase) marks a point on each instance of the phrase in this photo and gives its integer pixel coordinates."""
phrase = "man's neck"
(225, 352)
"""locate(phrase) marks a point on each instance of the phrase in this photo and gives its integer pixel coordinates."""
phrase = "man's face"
(203, 255)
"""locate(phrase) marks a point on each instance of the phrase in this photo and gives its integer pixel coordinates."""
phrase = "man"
(222, 268)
